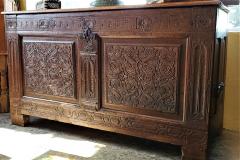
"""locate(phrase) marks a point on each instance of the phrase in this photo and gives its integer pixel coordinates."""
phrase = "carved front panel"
(48, 68)
(143, 75)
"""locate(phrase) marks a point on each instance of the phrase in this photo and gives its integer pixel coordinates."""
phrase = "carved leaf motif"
(48, 68)
(142, 77)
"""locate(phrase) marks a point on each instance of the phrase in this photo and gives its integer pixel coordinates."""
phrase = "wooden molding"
(230, 2)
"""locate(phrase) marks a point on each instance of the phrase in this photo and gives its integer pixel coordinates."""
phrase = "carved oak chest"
(151, 71)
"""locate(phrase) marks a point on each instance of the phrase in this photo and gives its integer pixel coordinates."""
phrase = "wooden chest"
(150, 71)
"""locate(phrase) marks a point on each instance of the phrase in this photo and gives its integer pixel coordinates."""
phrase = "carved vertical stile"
(199, 76)
(14, 70)
(12, 49)
(200, 72)
(201, 65)
(196, 143)
(15, 81)
(89, 66)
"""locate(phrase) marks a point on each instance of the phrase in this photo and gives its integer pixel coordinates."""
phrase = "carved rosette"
(203, 22)
(46, 24)
(10, 23)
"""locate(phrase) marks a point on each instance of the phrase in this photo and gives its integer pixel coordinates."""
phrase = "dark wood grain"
(3, 48)
(147, 71)
(48, 68)
(4, 99)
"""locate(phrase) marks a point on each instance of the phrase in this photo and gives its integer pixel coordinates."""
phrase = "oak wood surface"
(4, 100)
(150, 73)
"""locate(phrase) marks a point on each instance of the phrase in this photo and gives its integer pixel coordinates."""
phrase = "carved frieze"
(119, 121)
(140, 76)
(49, 68)
(178, 20)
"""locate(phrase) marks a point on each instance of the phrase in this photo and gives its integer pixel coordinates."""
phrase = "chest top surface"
(106, 5)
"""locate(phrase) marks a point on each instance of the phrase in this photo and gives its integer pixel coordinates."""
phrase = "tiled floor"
(49, 140)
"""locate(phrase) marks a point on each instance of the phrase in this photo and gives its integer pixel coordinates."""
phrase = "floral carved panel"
(142, 76)
(48, 68)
